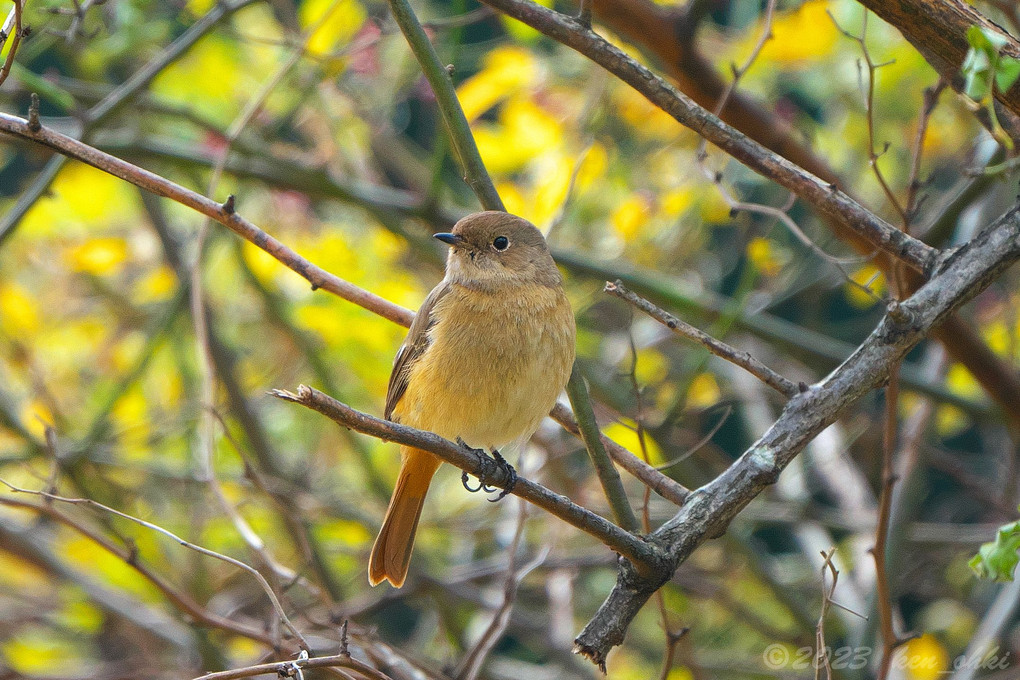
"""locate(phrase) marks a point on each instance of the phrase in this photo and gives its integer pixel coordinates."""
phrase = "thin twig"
(461, 139)
(666, 487)
(187, 544)
(890, 641)
(609, 478)
(823, 197)
(821, 651)
(744, 360)
(13, 30)
(318, 277)
(284, 669)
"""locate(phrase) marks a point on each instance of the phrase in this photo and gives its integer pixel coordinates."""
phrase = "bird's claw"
(485, 465)
(511, 473)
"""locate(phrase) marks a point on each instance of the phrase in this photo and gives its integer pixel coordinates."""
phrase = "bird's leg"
(511, 474)
(483, 463)
(486, 471)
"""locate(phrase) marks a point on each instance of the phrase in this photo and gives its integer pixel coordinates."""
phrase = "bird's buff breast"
(494, 366)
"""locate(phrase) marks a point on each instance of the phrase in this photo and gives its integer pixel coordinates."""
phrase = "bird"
(487, 355)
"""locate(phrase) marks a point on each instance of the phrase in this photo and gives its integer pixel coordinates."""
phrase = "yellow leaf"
(553, 172)
(805, 33)
(156, 286)
(505, 72)
(198, 77)
(960, 381)
(34, 416)
(98, 256)
(593, 166)
(334, 23)
(33, 651)
(345, 532)
(652, 366)
(630, 216)
(525, 132)
(80, 198)
(704, 391)
(950, 420)
(766, 257)
(23, 575)
(513, 199)
(627, 437)
(924, 658)
(870, 276)
(675, 202)
(130, 414)
(18, 314)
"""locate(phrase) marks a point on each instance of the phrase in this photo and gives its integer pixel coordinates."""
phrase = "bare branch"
(446, 97)
(747, 362)
(708, 511)
(825, 198)
(318, 277)
(644, 557)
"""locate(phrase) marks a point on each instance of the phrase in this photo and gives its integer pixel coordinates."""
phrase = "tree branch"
(222, 213)
(461, 139)
(958, 277)
(827, 199)
(784, 386)
(643, 556)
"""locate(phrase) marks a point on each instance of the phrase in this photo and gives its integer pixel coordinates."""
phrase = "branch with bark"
(958, 277)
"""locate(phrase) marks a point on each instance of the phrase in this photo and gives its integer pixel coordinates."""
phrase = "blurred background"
(316, 117)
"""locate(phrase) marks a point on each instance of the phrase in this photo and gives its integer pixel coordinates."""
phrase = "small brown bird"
(484, 361)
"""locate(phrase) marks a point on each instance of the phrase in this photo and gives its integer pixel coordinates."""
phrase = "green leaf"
(997, 560)
(1007, 73)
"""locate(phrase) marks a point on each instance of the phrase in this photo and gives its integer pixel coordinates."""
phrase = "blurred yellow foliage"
(799, 35)
(198, 78)
(155, 286)
(704, 391)
(33, 651)
(23, 575)
(18, 314)
(80, 200)
(593, 166)
(333, 23)
(99, 256)
(871, 276)
(505, 72)
(765, 256)
(625, 434)
(35, 415)
(116, 572)
(652, 366)
(343, 532)
(630, 216)
(924, 658)
(524, 132)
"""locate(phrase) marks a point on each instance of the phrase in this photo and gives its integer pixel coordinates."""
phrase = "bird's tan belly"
(493, 375)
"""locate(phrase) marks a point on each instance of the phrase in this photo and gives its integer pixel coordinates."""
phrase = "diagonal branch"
(461, 139)
(641, 554)
(958, 277)
(224, 213)
(826, 198)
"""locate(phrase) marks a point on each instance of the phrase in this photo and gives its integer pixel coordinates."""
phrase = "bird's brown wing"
(414, 346)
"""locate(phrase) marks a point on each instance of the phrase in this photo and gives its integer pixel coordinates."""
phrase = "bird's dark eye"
(501, 243)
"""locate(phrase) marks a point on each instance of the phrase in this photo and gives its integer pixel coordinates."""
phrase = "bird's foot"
(488, 468)
(510, 472)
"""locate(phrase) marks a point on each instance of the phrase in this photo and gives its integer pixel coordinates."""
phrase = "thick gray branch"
(959, 276)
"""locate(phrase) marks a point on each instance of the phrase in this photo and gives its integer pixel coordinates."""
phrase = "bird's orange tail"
(391, 553)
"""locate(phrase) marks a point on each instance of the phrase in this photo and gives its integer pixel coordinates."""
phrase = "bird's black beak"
(453, 239)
